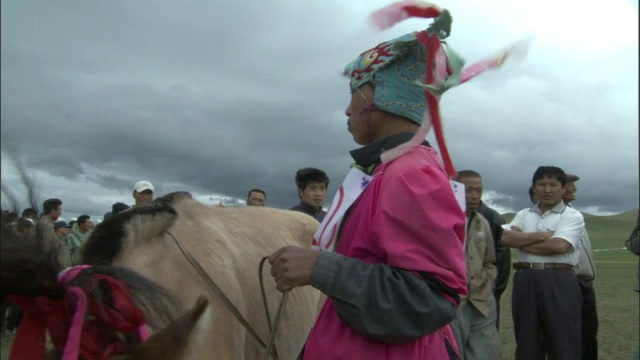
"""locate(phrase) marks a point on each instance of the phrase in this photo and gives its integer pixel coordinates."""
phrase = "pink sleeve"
(419, 224)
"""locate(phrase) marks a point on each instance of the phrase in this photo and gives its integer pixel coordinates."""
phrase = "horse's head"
(109, 238)
(32, 275)
(186, 246)
(179, 340)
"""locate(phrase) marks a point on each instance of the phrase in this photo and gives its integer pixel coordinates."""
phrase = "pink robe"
(407, 218)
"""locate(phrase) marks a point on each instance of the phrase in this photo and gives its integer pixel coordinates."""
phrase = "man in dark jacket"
(586, 272)
(312, 189)
(633, 244)
(503, 254)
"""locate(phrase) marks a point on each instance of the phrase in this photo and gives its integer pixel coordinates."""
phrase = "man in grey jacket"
(45, 230)
(586, 272)
(503, 254)
(474, 326)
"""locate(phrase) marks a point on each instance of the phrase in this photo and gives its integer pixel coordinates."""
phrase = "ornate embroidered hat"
(398, 70)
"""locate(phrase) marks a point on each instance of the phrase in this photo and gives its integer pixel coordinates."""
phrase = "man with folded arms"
(546, 298)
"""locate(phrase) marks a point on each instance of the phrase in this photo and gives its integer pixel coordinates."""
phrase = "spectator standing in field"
(633, 245)
(119, 207)
(78, 235)
(586, 272)
(312, 190)
(45, 230)
(546, 297)
(503, 253)
(10, 219)
(25, 226)
(143, 193)
(62, 229)
(30, 214)
(256, 197)
(474, 326)
(116, 209)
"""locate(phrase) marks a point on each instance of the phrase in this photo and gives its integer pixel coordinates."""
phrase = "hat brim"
(571, 177)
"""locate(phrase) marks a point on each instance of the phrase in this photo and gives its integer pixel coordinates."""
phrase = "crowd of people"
(66, 238)
(410, 270)
(312, 185)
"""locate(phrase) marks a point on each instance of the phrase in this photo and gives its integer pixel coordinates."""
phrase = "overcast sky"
(218, 97)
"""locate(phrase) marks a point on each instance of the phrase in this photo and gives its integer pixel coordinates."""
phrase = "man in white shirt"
(546, 297)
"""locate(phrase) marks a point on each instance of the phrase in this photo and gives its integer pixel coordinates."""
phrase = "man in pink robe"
(393, 268)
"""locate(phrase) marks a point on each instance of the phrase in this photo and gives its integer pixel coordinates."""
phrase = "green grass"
(616, 277)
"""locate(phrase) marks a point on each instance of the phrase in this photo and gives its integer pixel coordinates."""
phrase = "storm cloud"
(218, 97)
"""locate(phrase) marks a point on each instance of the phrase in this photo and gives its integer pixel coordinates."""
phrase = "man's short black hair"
(50, 205)
(29, 213)
(467, 173)
(82, 219)
(118, 208)
(531, 194)
(9, 217)
(551, 172)
(308, 175)
(258, 191)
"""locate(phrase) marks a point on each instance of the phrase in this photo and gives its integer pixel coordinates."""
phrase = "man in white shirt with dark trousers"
(546, 297)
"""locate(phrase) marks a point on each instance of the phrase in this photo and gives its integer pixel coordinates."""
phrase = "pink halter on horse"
(71, 331)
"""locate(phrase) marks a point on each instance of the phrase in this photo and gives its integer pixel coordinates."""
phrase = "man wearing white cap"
(142, 192)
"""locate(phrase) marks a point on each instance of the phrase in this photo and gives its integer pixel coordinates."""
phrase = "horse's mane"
(106, 240)
(26, 267)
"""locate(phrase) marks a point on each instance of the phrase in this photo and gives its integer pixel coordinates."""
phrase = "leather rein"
(270, 347)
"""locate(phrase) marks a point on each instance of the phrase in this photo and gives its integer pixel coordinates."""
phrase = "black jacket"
(314, 211)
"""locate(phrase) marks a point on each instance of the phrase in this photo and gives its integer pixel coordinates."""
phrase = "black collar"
(370, 154)
(309, 209)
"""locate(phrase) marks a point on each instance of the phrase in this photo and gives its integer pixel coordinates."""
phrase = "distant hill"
(628, 216)
(508, 216)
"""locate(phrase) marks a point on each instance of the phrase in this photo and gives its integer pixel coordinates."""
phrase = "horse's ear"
(172, 342)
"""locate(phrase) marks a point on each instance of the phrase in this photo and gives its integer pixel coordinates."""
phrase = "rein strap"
(218, 292)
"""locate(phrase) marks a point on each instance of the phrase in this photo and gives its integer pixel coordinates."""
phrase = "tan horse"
(228, 243)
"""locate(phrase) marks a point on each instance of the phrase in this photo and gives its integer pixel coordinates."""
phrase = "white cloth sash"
(353, 185)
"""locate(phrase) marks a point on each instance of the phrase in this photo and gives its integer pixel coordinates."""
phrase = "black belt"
(541, 266)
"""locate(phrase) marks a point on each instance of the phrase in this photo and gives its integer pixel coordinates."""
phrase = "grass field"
(616, 278)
